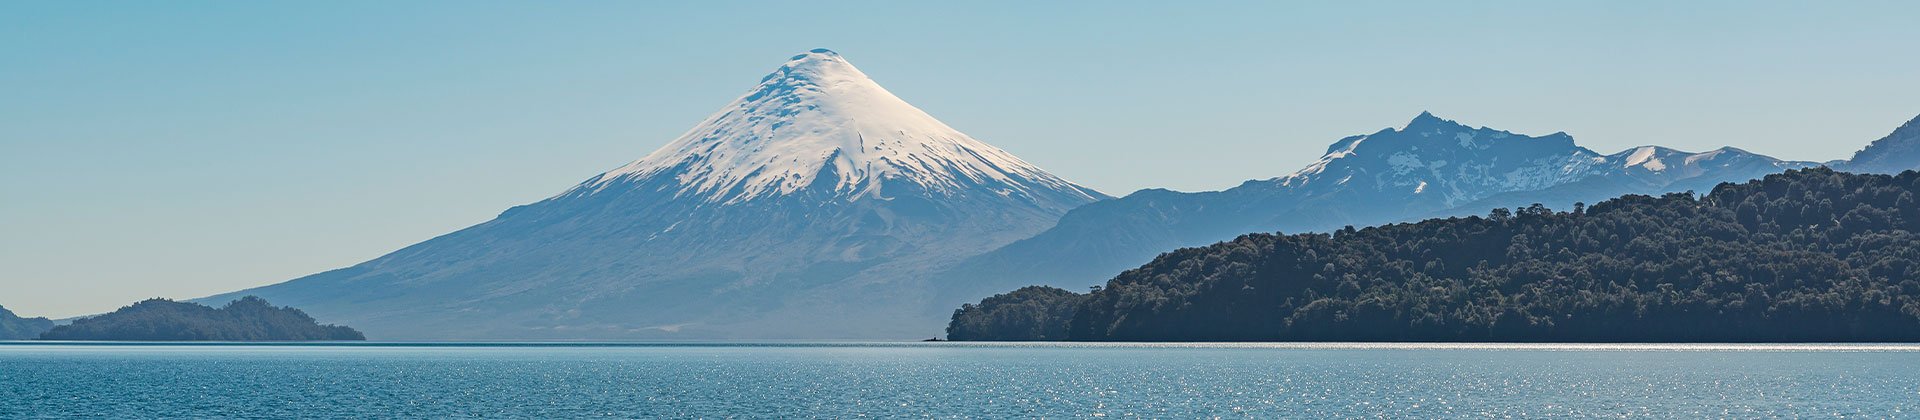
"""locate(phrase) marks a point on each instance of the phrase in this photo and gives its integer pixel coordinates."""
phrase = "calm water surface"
(839, 380)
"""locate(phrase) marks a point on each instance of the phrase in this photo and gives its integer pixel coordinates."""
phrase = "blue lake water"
(892, 380)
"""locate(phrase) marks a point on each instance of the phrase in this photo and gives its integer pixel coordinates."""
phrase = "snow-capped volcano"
(811, 207)
(818, 122)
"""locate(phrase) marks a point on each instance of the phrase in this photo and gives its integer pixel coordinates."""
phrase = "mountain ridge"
(1429, 167)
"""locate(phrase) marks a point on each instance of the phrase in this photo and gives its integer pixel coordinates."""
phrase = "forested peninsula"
(1809, 255)
(15, 327)
(247, 319)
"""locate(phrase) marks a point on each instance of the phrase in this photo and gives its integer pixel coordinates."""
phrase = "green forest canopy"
(1806, 256)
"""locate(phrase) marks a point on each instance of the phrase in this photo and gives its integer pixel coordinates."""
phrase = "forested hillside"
(14, 327)
(247, 319)
(1031, 313)
(1809, 255)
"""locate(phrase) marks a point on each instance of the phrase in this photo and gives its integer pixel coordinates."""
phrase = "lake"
(891, 380)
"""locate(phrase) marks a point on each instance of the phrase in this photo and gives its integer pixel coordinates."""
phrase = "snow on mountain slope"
(1647, 170)
(1436, 157)
(818, 120)
(1644, 158)
(813, 206)
(1673, 165)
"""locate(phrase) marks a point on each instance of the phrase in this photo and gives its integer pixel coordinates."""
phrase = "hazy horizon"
(185, 150)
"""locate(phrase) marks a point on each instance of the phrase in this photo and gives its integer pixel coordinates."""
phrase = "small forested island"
(247, 319)
(1810, 255)
(13, 327)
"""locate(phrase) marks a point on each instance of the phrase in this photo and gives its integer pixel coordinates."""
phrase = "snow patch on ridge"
(1696, 158)
(1644, 157)
(1466, 140)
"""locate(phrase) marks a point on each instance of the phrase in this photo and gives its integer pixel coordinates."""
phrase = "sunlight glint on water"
(960, 380)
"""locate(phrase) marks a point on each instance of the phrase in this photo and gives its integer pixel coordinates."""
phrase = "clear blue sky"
(180, 149)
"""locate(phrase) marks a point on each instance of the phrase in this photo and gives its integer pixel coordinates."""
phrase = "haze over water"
(944, 380)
